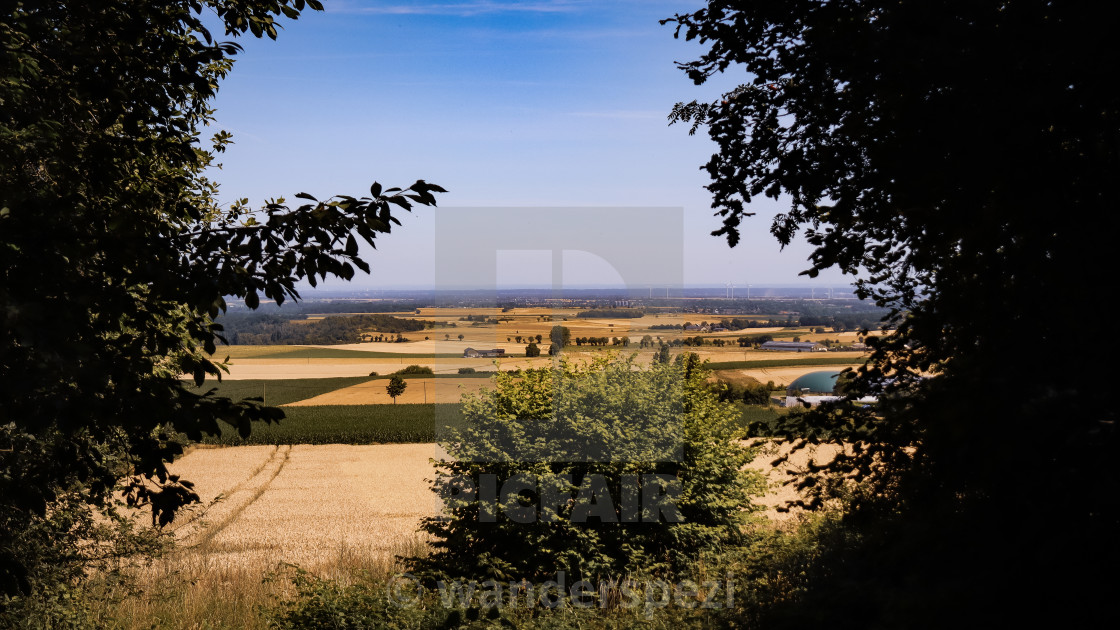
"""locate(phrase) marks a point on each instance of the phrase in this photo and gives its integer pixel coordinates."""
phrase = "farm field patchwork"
(347, 351)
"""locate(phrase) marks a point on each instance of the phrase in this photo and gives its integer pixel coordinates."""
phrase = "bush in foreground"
(545, 475)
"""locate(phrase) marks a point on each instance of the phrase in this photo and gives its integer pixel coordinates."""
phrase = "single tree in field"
(396, 387)
(561, 335)
(460, 336)
(532, 350)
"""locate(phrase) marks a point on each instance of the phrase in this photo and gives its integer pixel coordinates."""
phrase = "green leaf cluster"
(609, 418)
(116, 257)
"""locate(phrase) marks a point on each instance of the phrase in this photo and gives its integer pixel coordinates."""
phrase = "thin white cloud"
(466, 8)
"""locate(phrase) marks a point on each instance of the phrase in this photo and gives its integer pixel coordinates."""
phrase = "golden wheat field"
(313, 504)
(335, 510)
(304, 504)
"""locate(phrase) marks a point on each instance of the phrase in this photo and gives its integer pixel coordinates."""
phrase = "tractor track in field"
(237, 499)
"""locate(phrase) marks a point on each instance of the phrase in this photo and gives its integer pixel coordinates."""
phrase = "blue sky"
(544, 103)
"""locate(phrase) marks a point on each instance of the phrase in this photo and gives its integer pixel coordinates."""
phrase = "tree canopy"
(116, 255)
(582, 442)
(958, 156)
(396, 387)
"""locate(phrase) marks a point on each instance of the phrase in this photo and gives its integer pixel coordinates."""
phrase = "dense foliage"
(961, 157)
(115, 255)
(567, 430)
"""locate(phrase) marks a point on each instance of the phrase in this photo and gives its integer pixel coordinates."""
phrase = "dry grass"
(191, 589)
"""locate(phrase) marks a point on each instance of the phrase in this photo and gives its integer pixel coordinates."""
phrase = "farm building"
(822, 382)
(794, 346)
(471, 353)
(815, 388)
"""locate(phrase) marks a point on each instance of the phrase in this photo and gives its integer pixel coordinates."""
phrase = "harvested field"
(780, 489)
(306, 505)
(786, 375)
(269, 369)
(419, 391)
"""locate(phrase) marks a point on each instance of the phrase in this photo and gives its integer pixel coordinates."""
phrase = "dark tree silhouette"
(962, 156)
(116, 257)
(396, 387)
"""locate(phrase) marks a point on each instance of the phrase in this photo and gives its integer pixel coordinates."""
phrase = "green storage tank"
(823, 382)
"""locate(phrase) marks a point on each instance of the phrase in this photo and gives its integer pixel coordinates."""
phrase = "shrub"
(564, 431)
(56, 565)
(414, 369)
(467, 370)
(756, 394)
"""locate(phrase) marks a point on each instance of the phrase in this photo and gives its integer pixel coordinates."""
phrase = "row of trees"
(602, 341)
(334, 329)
